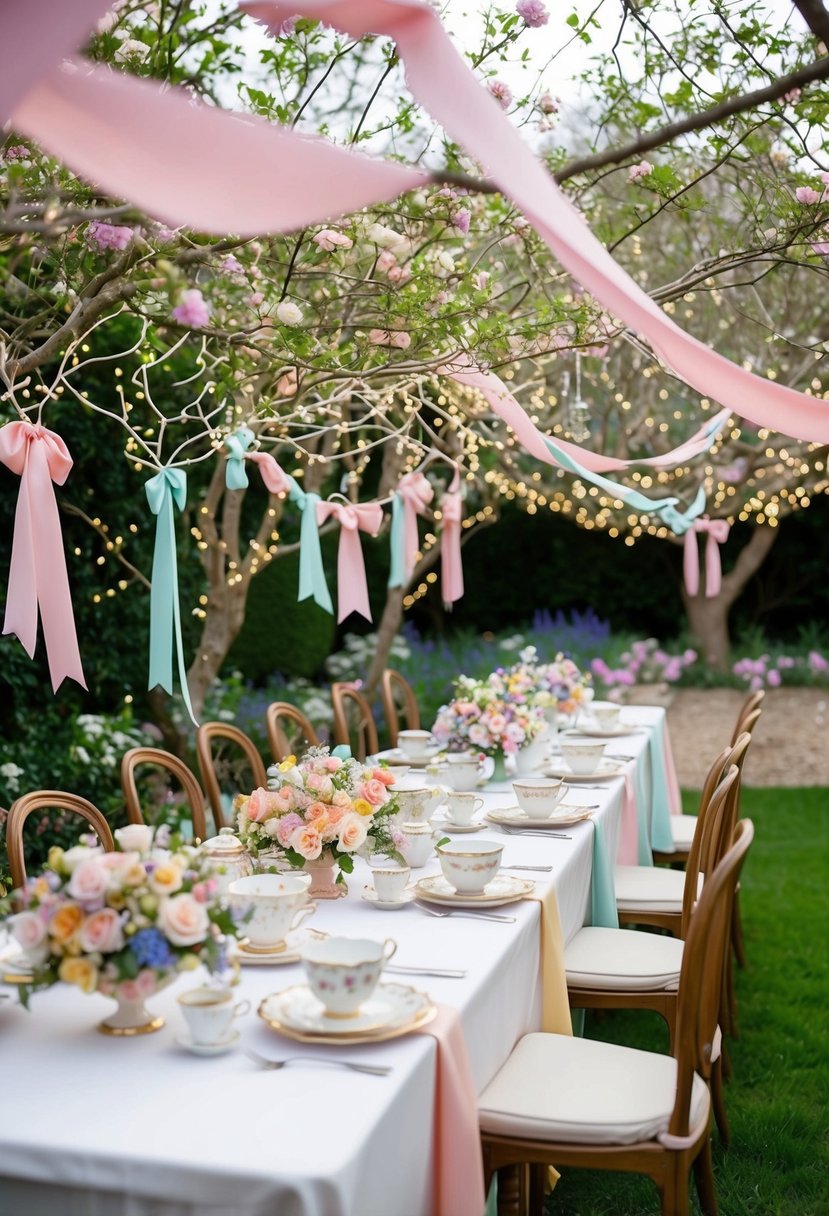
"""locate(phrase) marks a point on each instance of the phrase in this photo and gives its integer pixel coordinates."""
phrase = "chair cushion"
(649, 889)
(623, 960)
(578, 1091)
(682, 830)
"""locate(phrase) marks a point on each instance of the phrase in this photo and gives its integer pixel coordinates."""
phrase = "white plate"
(606, 769)
(504, 889)
(448, 825)
(596, 732)
(562, 817)
(295, 940)
(390, 1007)
(208, 1049)
(387, 905)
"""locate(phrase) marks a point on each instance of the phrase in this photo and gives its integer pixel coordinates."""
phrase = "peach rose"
(341, 799)
(384, 775)
(79, 971)
(335, 813)
(373, 791)
(259, 805)
(65, 923)
(353, 831)
(307, 842)
(320, 784)
(332, 763)
(101, 932)
(285, 799)
(183, 920)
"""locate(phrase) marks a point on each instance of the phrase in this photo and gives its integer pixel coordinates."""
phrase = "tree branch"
(816, 17)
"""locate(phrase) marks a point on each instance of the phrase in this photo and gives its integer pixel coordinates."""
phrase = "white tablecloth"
(94, 1126)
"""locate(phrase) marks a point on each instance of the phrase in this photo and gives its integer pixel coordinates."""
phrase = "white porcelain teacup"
(273, 905)
(539, 796)
(463, 771)
(583, 756)
(470, 865)
(417, 801)
(461, 805)
(390, 881)
(606, 714)
(414, 744)
(209, 1014)
(343, 971)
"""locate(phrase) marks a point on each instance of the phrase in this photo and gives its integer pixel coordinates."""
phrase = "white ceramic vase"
(529, 759)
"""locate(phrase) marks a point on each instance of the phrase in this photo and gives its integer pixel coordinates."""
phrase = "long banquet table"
(94, 1126)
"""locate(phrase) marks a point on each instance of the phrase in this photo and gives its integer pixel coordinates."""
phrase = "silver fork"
(540, 869)
(445, 973)
(532, 832)
(507, 920)
(372, 1070)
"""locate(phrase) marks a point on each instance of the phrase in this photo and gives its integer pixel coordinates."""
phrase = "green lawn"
(778, 1098)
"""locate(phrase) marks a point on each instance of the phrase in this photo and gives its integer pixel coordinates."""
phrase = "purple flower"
(231, 265)
(774, 679)
(532, 13)
(192, 309)
(103, 236)
(461, 220)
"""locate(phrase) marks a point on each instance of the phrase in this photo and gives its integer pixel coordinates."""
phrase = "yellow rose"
(165, 879)
(288, 763)
(188, 962)
(65, 923)
(55, 858)
(79, 971)
(362, 807)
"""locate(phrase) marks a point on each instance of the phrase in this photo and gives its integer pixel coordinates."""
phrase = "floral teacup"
(343, 971)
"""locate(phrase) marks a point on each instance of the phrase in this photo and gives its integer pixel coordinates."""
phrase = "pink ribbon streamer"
(451, 565)
(37, 576)
(276, 480)
(627, 849)
(716, 532)
(674, 795)
(353, 518)
(416, 493)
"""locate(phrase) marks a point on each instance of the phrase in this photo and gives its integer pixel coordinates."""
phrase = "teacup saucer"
(387, 905)
(287, 953)
(445, 824)
(208, 1049)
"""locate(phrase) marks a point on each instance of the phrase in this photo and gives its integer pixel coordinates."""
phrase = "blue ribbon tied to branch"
(236, 477)
(167, 487)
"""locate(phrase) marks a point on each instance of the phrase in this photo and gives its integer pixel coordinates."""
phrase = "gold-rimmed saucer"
(606, 770)
(503, 889)
(392, 1010)
(563, 816)
(288, 952)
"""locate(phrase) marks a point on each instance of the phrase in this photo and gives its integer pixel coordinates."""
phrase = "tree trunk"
(708, 616)
(224, 620)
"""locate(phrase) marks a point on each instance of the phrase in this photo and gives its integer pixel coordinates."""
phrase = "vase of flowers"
(318, 813)
(558, 688)
(122, 924)
(493, 716)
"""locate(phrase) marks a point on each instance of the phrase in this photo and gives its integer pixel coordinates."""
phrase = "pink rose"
(286, 827)
(383, 775)
(101, 932)
(353, 831)
(307, 842)
(263, 803)
(89, 882)
(332, 763)
(341, 799)
(317, 810)
(29, 931)
(129, 990)
(183, 920)
(320, 783)
(373, 792)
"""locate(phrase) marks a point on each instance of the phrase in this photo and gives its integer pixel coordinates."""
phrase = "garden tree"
(326, 342)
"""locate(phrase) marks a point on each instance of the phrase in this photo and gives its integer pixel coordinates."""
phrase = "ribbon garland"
(716, 533)
(451, 509)
(236, 446)
(37, 574)
(411, 498)
(167, 487)
(312, 582)
(353, 518)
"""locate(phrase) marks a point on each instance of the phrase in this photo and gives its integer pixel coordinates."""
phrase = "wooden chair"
(566, 1101)
(397, 691)
(170, 764)
(343, 696)
(206, 734)
(45, 800)
(281, 744)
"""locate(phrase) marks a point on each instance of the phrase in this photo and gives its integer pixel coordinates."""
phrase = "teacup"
(606, 714)
(418, 842)
(390, 882)
(414, 744)
(343, 971)
(461, 806)
(463, 771)
(274, 903)
(539, 796)
(209, 1014)
(583, 756)
(417, 801)
(468, 867)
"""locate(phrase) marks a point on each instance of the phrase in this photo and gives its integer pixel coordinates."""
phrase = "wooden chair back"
(281, 744)
(750, 706)
(44, 800)
(365, 742)
(223, 732)
(175, 767)
(397, 691)
(700, 980)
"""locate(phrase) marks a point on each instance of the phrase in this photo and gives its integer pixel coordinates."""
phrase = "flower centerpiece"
(560, 686)
(318, 812)
(495, 716)
(121, 923)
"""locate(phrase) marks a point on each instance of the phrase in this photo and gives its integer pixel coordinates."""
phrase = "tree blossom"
(385, 337)
(643, 169)
(501, 92)
(532, 13)
(108, 236)
(232, 265)
(132, 48)
(329, 240)
(192, 309)
(287, 313)
(792, 97)
(805, 194)
(548, 104)
(460, 220)
(481, 279)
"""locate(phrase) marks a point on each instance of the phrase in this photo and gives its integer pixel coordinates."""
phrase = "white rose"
(29, 931)
(73, 857)
(135, 837)
(288, 313)
(352, 830)
(183, 920)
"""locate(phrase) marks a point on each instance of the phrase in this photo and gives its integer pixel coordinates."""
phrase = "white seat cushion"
(623, 960)
(648, 889)
(682, 830)
(578, 1091)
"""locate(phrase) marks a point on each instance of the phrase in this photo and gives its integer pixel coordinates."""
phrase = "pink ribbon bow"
(354, 518)
(451, 509)
(37, 576)
(416, 493)
(276, 480)
(717, 534)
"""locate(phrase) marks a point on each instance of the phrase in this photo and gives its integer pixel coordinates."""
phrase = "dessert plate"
(387, 905)
(563, 816)
(504, 889)
(392, 1010)
(208, 1049)
(591, 731)
(606, 770)
(395, 757)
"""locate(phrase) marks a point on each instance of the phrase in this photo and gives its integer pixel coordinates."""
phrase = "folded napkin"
(458, 1177)
(555, 1008)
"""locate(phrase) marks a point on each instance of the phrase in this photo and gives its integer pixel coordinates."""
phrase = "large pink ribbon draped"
(416, 493)
(716, 533)
(276, 480)
(451, 566)
(37, 576)
(353, 518)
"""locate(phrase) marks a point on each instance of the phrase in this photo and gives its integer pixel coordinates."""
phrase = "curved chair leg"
(704, 1178)
(718, 1102)
(737, 941)
(509, 1190)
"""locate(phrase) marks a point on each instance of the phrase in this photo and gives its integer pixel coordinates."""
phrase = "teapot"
(229, 859)
(418, 843)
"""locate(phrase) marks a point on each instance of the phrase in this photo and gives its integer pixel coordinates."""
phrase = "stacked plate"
(392, 1010)
(504, 889)
(562, 817)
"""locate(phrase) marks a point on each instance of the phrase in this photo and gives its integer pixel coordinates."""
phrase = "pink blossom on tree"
(501, 92)
(643, 169)
(192, 309)
(532, 13)
(805, 194)
(461, 219)
(103, 236)
(329, 240)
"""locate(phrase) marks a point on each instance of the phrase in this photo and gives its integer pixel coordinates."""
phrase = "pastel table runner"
(645, 825)
(603, 911)
(555, 1007)
(664, 789)
(458, 1175)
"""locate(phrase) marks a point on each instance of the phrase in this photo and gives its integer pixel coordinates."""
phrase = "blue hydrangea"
(152, 949)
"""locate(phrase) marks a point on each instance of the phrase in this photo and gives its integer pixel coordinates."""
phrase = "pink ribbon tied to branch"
(353, 518)
(416, 493)
(451, 509)
(716, 531)
(276, 480)
(37, 576)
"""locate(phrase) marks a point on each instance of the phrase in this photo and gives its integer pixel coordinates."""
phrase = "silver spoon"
(373, 1070)
(508, 920)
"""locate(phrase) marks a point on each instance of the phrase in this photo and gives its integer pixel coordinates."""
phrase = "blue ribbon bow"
(236, 477)
(165, 488)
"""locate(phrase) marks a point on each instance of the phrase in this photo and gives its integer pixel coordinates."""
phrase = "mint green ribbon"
(602, 893)
(662, 838)
(236, 477)
(342, 751)
(168, 486)
(311, 571)
(397, 573)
